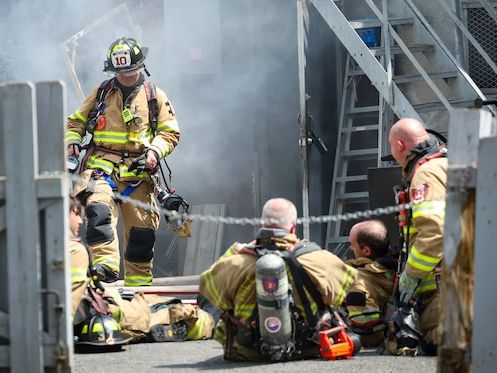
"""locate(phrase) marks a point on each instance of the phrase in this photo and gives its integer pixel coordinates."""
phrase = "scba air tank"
(273, 306)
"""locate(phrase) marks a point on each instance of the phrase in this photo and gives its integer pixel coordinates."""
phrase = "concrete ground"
(207, 356)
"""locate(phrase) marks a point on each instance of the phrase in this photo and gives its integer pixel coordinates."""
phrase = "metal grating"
(484, 30)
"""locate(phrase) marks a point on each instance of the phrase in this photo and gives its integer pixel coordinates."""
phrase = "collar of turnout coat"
(423, 149)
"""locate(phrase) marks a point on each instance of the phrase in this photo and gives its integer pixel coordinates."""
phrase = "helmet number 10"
(121, 59)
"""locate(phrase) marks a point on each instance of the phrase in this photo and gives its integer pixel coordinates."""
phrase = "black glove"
(138, 164)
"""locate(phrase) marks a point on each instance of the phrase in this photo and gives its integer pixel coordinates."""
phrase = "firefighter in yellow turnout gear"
(230, 285)
(140, 316)
(133, 126)
(365, 302)
(424, 170)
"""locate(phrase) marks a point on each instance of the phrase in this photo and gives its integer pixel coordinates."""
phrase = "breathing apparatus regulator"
(177, 219)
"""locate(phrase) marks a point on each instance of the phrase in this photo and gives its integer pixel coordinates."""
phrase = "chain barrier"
(387, 210)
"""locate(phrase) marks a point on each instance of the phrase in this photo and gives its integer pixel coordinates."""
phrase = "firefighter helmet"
(125, 55)
(100, 330)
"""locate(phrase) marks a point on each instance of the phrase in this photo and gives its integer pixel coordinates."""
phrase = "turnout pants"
(139, 230)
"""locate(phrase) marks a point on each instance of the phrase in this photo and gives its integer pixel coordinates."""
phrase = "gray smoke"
(229, 67)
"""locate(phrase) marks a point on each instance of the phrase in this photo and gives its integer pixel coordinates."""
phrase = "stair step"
(356, 197)
(364, 110)
(401, 79)
(375, 22)
(369, 127)
(436, 106)
(360, 154)
(395, 49)
(346, 179)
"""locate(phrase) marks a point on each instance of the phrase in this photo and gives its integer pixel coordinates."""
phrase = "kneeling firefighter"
(133, 126)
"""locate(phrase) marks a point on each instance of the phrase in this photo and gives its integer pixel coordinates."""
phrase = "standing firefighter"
(133, 126)
(273, 291)
(415, 324)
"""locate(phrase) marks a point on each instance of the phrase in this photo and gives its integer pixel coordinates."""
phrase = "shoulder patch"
(419, 193)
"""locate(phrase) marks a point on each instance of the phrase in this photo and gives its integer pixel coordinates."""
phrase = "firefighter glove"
(138, 164)
(407, 287)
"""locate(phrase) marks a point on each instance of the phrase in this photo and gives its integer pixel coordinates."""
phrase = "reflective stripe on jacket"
(134, 136)
(427, 196)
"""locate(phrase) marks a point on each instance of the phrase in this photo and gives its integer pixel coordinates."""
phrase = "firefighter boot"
(175, 332)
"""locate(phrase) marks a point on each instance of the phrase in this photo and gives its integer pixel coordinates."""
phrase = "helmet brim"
(105, 344)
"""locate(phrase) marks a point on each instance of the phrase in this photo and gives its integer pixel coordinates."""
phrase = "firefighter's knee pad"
(99, 228)
(140, 245)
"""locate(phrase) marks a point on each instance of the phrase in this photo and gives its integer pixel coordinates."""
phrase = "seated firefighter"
(376, 269)
(107, 317)
(273, 291)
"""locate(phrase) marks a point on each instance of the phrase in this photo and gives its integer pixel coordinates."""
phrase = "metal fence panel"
(33, 229)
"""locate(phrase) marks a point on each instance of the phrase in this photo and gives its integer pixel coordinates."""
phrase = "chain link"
(172, 214)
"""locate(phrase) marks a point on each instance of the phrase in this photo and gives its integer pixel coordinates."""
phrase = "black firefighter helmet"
(99, 331)
(125, 55)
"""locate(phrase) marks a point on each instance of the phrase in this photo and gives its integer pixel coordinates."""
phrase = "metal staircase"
(419, 89)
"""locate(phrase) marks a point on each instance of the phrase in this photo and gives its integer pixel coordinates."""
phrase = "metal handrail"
(470, 37)
(413, 59)
(490, 9)
(445, 49)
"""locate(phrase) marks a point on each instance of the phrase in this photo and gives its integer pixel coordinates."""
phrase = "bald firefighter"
(132, 126)
(296, 280)
(139, 316)
(415, 325)
(365, 302)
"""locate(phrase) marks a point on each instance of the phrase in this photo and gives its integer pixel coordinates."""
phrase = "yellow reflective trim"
(196, 331)
(162, 145)
(84, 330)
(228, 252)
(168, 126)
(117, 134)
(244, 311)
(123, 172)
(120, 46)
(73, 136)
(412, 230)
(428, 208)
(350, 274)
(138, 280)
(98, 327)
(108, 262)
(361, 317)
(77, 115)
(421, 261)
(209, 280)
(78, 275)
(427, 284)
(220, 336)
(110, 137)
(106, 166)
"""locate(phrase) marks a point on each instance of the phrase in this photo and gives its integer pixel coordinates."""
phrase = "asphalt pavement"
(207, 356)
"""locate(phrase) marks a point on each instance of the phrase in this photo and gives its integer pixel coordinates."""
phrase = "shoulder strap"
(153, 107)
(302, 280)
(304, 247)
(104, 88)
(99, 106)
